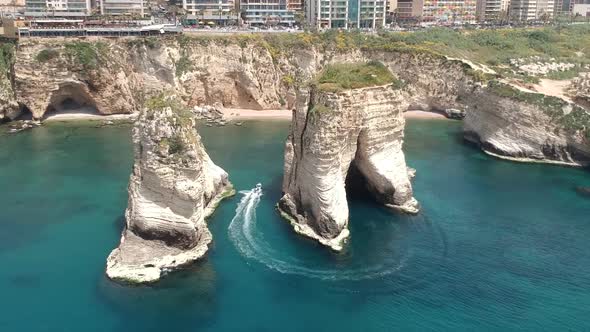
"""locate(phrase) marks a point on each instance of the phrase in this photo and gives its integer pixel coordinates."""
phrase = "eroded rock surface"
(174, 186)
(115, 76)
(330, 133)
(523, 126)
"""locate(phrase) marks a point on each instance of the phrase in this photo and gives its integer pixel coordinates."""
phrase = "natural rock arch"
(332, 133)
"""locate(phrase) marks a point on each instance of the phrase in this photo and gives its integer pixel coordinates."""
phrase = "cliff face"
(174, 186)
(8, 105)
(524, 126)
(330, 133)
(116, 76)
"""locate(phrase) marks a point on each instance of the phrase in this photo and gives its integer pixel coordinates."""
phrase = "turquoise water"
(498, 245)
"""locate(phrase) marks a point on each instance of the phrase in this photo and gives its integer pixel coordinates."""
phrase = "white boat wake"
(251, 244)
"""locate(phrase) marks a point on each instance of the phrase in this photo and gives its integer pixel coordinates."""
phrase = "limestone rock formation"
(331, 133)
(523, 126)
(174, 186)
(115, 76)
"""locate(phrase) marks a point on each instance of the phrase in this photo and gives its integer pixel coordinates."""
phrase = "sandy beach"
(86, 116)
(228, 113)
(423, 115)
(237, 113)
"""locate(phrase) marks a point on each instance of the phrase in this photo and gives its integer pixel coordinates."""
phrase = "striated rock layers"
(518, 125)
(332, 133)
(257, 72)
(174, 186)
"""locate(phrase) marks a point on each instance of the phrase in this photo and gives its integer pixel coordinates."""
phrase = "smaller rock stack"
(174, 186)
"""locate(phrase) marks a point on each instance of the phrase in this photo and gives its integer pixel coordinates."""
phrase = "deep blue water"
(497, 246)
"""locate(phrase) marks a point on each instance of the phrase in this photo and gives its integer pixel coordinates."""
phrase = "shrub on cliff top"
(6, 56)
(343, 76)
(86, 54)
(47, 54)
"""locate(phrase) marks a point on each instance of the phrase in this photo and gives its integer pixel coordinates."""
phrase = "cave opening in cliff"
(25, 113)
(71, 99)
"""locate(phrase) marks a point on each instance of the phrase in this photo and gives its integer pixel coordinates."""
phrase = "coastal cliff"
(334, 134)
(523, 126)
(174, 186)
(265, 71)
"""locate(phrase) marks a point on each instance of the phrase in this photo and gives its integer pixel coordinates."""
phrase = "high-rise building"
(295, 5)
(57, 8)
(391, 6)
(346, 14)
(407, 9)
(220, 12)
(492, 10)
(268, 12)
(123, 7)
(450, 11)
(207, 7)
(530, 10)
(576, 2)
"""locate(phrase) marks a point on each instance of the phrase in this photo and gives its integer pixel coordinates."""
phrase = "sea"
(497, 246)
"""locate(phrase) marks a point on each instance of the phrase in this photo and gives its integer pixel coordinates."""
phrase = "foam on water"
(252, 244)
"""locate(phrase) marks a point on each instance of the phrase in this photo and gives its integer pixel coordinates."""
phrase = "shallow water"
(498, 245)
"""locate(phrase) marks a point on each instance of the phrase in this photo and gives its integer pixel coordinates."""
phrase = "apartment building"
(210, 8)
(295, 5)
(347, 14)
(58, 8)
(450, 11)
(407, 9)
(581, 9)
(123, 7)
(530, 10)
(269, 12)
(573, 3)
(492, 10)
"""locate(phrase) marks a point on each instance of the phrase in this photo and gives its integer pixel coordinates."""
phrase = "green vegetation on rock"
(183, 65)
(576, 120)
(6, 56)
(47, 55)
(343, 76)
(162, 101)
(86, 54)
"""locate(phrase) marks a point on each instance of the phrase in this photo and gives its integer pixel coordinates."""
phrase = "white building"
(122, 7)
(346, 14)
(58, 8)
(209, 7)
(268, 12)
(492, 10)
(581, 9)
(530, 10)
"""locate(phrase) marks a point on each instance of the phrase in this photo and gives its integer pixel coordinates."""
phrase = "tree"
(300, 18)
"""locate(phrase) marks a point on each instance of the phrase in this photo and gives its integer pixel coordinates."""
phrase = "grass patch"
(86, 54)
(183, 65)
(163, 101)
(47, 54)
(344, 76)
(6, 57)
(577, 120)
